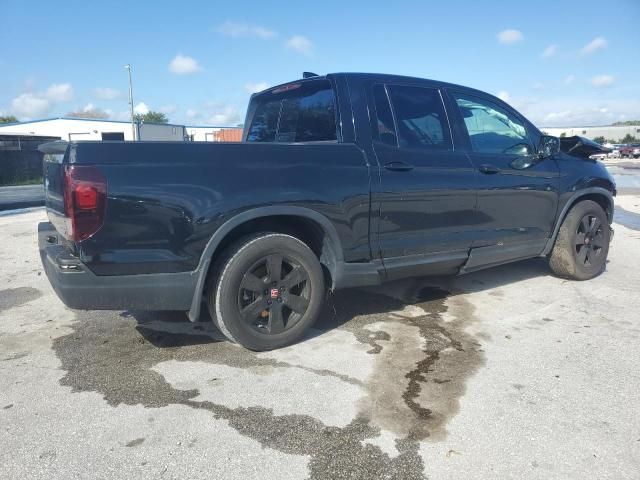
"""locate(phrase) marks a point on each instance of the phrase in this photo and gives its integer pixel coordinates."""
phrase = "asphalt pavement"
(22, 196)
(504, 373)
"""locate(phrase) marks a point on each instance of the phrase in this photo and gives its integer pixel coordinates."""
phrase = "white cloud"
(569, 79)
(240, 29)
(36, 104)
(551, 111)
(29, 105)
(594, 45)
(550, 51)
(510, 36)
(538, 86)
(59, 92)
(256, 87)
(602, 80)
(225, 116)
(183, 65)
(123, 115)
(192, 114)
(141, 108)
(168, 109)
(90, 111)
(504, 96)
(300, 44)
(106, 93)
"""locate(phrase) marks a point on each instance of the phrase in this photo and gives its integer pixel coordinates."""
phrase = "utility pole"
(133, 125)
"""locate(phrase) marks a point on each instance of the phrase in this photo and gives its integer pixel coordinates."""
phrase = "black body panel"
(166, 200)
(373, 210)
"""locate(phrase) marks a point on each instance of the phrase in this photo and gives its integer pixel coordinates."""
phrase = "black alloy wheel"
(267, 290)
(274, 294)
(582, 244)
(589, 240)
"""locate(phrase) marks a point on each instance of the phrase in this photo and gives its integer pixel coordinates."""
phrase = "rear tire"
(582, 244)
(268, 291)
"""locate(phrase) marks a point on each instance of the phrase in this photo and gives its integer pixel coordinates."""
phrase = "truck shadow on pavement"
(414, 336)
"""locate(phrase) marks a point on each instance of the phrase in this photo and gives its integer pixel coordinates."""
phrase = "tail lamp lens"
(85, 198)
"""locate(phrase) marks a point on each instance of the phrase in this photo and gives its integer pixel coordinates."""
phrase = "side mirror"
(548, 146)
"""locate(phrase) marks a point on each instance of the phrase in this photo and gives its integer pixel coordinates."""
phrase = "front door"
(427, 195)
(517, 192)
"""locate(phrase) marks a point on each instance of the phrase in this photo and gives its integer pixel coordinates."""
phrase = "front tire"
(268, 292)
(582, 244)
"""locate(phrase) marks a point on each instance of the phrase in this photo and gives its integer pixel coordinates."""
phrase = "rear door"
(517, 192)
(427, 194)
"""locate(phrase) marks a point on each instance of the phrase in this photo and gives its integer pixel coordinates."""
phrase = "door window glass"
(491, 128)
(382, 124)
(420, 117)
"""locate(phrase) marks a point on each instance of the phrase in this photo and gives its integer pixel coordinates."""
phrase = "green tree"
(601, 140)
(628, 138)
(8, 119)
(92, 113)
(151, 117)
(630, 123)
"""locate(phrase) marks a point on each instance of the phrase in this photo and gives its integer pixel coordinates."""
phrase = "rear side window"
(303, 112)
(491, 128)
(420, 117)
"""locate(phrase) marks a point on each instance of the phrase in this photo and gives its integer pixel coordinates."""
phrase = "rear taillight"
(85, 200)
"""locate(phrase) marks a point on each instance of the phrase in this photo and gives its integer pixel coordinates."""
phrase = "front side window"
(420, 117)
(491, 128)
(303, 112)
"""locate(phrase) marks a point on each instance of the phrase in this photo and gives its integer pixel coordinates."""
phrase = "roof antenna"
(309, 74)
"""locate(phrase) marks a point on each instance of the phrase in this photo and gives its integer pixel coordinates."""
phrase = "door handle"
(398, 166)
(488, 169)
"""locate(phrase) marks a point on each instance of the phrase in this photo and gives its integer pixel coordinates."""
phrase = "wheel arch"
(308, 225)
(601, 196)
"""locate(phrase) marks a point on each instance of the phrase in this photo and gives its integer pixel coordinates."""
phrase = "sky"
(560, 63)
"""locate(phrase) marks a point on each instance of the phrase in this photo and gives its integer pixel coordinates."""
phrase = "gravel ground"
(505, 373)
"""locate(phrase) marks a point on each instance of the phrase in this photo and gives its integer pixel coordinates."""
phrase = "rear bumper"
(79, 288)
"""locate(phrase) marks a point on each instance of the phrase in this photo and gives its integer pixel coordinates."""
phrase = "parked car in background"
(599, 156)
(615, 150)
(631, 150)
(341, 180)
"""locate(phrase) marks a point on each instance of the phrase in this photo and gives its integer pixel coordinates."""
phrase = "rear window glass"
(303, 112)
(420, 117)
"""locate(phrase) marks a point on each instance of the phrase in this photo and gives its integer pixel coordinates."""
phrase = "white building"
(201, 134)
(610, 132)
(74, 129)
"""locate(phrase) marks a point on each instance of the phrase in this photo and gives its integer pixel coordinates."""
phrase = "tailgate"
(53, 176)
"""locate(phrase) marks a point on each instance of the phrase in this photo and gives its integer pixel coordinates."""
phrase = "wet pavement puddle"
(413, 354)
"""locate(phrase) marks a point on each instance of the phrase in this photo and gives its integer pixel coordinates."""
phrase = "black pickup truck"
(341, 180)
